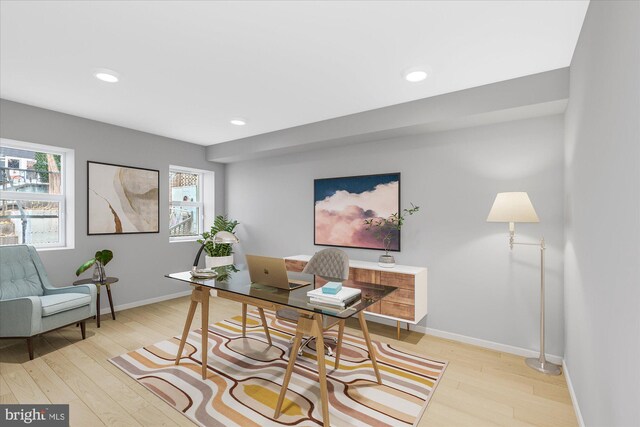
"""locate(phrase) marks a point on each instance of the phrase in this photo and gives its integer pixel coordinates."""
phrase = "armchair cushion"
(19, 276)
(90, 290)
(57, 303)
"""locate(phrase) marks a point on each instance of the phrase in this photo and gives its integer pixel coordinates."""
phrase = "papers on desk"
(339, 300)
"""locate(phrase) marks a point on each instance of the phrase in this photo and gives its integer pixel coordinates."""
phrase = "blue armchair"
(30, 305)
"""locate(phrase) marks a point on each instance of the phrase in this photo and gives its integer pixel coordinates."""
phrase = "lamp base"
(545, 367)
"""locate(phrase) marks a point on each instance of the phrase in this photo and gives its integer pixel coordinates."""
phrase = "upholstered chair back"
(21, 272)
(329, 263)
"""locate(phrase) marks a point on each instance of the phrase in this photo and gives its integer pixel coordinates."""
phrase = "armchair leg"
(30, 347)
(83, 329)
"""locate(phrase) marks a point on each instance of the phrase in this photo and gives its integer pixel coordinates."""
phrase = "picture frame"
(122, 199)
(341, 204)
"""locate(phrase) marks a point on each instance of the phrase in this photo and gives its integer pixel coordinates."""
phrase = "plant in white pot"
(219, 254)
(385, 228)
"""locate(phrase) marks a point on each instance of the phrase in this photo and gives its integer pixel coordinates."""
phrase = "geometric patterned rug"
(245, 377)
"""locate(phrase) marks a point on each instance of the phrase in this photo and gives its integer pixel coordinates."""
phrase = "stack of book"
(339, 300)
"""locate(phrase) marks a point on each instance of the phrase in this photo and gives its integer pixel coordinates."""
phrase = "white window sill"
(52, 248)
(184, 239)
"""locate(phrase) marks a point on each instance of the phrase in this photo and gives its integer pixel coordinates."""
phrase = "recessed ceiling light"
(238, 121)
(415, 76)
(108, 76)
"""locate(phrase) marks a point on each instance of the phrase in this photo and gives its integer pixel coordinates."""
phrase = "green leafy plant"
(221, 223)
(384, 228)
(103, 257)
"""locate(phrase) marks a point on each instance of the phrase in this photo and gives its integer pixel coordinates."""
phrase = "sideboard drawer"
(398, 280)
(394, 309)
(368, 276)
(374, 308)
(403, 296)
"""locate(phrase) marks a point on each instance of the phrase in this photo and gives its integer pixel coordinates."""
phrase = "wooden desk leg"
(293, 353)
(187, 325)
(244, 319)
(372, 353)
(311, 326)
(339, 345)
(204, 299)
(265, 325)
(322, 369)
(113, 313)
(98, 306)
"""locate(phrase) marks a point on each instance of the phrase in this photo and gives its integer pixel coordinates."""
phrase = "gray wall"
(602, 252)
(140, 260)
(477, 287)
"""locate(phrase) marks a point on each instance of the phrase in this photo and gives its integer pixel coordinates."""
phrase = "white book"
(332, 301)
(344, 294)
(328, 303)
(323, 298)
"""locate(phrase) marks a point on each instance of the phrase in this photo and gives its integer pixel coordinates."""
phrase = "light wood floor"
(479, 388)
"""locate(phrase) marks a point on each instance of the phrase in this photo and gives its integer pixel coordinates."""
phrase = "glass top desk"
(237, 286)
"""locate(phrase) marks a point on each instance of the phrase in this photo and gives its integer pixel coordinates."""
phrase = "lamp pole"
(541, 363)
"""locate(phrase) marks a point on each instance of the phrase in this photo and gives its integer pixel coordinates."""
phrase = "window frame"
(65, 200)
(205, 205)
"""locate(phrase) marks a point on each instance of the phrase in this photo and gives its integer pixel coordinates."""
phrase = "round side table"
(107, 281)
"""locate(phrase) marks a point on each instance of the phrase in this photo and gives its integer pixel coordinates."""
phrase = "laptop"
(271, 272)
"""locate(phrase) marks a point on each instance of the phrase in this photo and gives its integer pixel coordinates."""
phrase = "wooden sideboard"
(407, 304)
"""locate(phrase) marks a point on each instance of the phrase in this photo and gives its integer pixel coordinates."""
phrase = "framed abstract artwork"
(122, 199)
(341, 205)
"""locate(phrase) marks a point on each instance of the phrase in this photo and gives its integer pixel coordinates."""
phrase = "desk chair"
(329, 264)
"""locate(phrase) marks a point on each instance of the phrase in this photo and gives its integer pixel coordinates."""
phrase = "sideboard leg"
(408, 329)
(398, 329)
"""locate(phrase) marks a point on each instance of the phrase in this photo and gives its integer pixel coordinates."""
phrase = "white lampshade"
(225, 237)
(512, 207)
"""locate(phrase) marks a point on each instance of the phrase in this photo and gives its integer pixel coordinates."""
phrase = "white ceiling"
(187, 68)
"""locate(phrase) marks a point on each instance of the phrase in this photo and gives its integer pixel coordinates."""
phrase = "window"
(190, 202)
(36, 185)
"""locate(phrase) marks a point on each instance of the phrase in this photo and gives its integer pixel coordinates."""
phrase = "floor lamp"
(516, 207)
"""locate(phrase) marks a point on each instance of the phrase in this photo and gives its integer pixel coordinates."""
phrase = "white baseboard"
(572, 393)
(505, 348)
(144, 302)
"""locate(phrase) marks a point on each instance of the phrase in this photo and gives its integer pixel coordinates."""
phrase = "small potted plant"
(100, 259)
(218, 254)
(385, 228)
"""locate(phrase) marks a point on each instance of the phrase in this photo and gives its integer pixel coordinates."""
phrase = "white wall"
(477, 287)
(140, 260)
(602, 252)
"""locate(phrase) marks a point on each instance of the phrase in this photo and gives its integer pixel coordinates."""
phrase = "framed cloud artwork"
(122, 199)
(341, 205)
